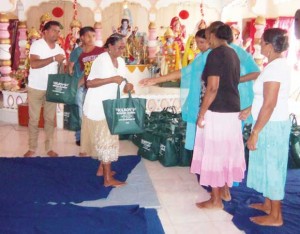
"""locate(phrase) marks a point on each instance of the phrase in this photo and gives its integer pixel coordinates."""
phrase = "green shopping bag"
(125, 115)
(185, 156)
(169, 151)
(72, 119)
(149, 146)
(294, 144)
(61, 88)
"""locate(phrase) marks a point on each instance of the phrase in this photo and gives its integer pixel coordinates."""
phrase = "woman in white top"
(269, 139)
(106, 74)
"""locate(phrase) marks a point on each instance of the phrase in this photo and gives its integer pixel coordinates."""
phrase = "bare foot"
(114, 183)
(267, 220)
(261, 206)
(100, 171)
(29, 153)
(82, 154)
(210, 204)
(51, 153)
(225, 194)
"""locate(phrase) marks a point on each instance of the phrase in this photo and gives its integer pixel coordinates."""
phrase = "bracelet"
(53, 58)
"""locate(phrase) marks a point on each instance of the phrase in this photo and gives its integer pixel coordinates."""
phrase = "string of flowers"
(75, 9)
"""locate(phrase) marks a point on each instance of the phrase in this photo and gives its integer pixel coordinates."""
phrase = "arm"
(209, 97)
(176, 75)
(271, 90)
(70, 67)
(99, 82)
(36, 62)
(250, 76)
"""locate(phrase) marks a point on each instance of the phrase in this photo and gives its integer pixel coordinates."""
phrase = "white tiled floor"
(176, 188)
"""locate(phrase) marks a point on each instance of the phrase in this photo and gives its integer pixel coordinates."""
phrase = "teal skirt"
(268, 163)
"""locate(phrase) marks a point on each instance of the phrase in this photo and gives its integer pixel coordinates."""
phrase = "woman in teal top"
(190, 87)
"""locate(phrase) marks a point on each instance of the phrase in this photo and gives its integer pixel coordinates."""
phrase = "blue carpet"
(31, 218)
(138, 190)
(242, 197)
(63, 179)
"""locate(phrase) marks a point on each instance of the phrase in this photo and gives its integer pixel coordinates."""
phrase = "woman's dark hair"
(200, 34)
(214, 26)
(86, 29)
(51, 23)
(278, 38)
(113, 39)
(223, 32)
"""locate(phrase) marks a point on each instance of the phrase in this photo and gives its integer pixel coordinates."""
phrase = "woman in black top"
(219, 150)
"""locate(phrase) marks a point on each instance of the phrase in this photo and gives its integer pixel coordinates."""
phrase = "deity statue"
(71, 38)
(179, 32)
(44, 19)
(260, 24)
(190, 51)
(125, 28)
(170, 54)
(33, 35)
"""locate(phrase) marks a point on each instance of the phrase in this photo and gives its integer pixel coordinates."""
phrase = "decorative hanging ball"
(184, 14)
(57, 12)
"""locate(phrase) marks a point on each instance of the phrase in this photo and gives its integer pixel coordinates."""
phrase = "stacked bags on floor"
(164, 139)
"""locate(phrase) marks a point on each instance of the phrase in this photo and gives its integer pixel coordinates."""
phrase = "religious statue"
(72, 37)
(170, 54)
(179, 32)
(33, 35)
(125, 28)
(260, 24)
(43, 20)
(190, 51)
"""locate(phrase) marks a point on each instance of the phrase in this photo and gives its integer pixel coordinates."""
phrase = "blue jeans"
(81, 92)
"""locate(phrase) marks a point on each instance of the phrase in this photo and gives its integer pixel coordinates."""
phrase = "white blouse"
(276, 71)
(102, 68)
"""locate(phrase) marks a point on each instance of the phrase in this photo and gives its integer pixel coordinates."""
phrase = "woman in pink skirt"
(219, 150)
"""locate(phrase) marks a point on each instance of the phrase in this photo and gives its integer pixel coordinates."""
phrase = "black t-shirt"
(224, 62)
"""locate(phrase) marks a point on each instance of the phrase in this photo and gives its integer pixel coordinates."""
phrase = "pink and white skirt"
(219, 150)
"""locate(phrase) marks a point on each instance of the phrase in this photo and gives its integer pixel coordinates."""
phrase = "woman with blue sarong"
(269, 139)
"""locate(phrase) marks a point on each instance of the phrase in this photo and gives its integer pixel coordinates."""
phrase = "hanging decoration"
(202, 23)
(57, 12)
(184, 14)
(75, 5)
(201, 10)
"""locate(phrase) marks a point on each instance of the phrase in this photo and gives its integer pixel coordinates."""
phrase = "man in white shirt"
(45, 57)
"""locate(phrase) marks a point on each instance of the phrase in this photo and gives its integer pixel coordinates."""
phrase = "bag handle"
(294, 119)
(119, 92)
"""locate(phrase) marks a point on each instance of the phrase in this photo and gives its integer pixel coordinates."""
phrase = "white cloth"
(102, 68)
(276, 71)
(38, 77)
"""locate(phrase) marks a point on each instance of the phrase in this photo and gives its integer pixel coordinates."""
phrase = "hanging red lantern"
(57, 12)
(184, 14)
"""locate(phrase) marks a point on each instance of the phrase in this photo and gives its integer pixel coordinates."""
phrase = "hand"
(147, 82)
(81, 82)
(118, 79)
(59, 58)
(71, 72)
(200, 121)
(252, 141)
(244, 114)
(128, 88)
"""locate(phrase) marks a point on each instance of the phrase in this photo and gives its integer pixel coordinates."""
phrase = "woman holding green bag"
(106, 74)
